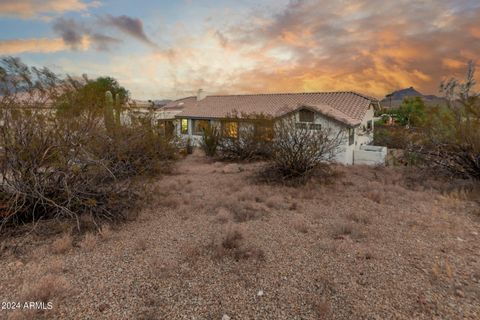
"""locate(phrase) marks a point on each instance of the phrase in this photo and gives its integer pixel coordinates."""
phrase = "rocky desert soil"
(213, 244)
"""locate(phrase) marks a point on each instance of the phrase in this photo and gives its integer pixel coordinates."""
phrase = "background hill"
(394, 99)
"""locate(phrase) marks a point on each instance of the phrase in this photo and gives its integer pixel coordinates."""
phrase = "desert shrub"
(232, 245)
(89, 242)
(458, 158)
(245, 211)
(392, 137)
(299, 153)
(299, 223)
(250, 142)
(62, 245)
(69, 164)
(49, 171)
(136, 150)
(341, 230)
(46, 288)
(450, 141)
(210, 139)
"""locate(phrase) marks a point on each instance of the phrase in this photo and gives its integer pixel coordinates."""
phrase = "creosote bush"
(298, 153)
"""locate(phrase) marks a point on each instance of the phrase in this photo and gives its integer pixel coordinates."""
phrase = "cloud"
(70, 31)
(73, 33)
(128, 25)
(368, 45)
(12, 47)
(35, 8)
(371, 46)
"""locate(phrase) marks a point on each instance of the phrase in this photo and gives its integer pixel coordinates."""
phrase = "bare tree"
(28, 87)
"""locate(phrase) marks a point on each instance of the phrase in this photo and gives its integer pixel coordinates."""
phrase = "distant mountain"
(395, 98)
(400, 94)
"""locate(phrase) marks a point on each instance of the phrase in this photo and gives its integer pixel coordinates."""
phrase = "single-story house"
(350, 112)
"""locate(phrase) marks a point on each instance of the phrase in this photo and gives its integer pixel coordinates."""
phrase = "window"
(351, 136)
(199, 126)
(301, 126)
(230, 129)
(166, 127)
(184, 126)
(264, 131)
(308, 126)
(306, 116)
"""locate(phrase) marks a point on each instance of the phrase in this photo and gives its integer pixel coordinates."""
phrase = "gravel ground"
(364, 247)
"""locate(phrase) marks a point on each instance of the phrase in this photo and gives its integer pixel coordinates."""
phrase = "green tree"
(89, 95)
(411, 112)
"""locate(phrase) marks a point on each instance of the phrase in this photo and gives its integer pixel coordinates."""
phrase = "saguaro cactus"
(108, 111)
(118, 109)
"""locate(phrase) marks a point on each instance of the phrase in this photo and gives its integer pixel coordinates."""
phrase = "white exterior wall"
(346, 154)
(362, 136)
(345, 151)
(370, 155)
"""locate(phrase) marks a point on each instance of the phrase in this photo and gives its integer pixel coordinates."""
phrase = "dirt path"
(213, 245)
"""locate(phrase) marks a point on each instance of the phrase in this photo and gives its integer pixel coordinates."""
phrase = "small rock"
(225, 317)
(103, 307)
(460, 239)
(460, 293)
(260, 293)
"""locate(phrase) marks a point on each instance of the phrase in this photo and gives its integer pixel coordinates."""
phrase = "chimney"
(200, 95)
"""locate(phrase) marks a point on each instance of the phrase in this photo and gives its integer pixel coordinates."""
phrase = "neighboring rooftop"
(346, 106)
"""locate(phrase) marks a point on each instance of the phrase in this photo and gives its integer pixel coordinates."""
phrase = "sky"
(170, 49)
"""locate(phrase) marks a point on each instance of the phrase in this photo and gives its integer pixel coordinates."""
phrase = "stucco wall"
(370, 155)
(345, 151)
(363, 136)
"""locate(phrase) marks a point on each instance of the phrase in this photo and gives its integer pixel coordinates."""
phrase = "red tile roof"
(346, 107)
